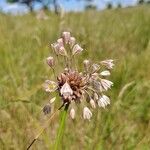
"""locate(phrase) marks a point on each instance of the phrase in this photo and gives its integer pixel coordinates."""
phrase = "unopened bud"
(96, 97)
(92, 103)
(87, 114)
(52, 100)
(86, 64)
(50, 61)
(66, 70)
(72, 113)
(105, 73)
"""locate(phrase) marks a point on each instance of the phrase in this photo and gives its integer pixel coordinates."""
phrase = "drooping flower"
(92, 102)
(106, 84)
(72, 113)
(103, 101)
(87, 114)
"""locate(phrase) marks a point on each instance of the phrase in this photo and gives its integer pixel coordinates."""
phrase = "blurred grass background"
(120, 34)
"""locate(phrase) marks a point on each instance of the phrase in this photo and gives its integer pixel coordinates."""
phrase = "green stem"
(61, 128)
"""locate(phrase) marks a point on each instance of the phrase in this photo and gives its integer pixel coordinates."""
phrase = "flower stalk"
(61, 128)
(43, 129)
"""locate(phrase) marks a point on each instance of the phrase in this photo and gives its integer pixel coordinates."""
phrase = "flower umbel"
(74, 87)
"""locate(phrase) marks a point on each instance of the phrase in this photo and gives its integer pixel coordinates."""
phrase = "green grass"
(121, 34)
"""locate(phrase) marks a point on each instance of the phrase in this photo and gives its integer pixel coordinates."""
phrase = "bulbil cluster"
(87, 87)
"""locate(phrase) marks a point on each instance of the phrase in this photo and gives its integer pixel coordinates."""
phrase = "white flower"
(72, 41)
(66, 90)
(87, 114)
(66, 37)
(105, 85)
(76, 49)
(105, 73)
(72, 113)
(50, 86)
(92, 102)
(103, 101)
(50, 61)
(108, 63)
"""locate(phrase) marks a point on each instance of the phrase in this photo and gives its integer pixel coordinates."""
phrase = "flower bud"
(105, 73)
(72, 113)
(92, 103)
(52, 100)
(76, 49)
(96, 96)
(86, 64)
(50, 61)
(66, 37)
(66, 70)
(87, 114)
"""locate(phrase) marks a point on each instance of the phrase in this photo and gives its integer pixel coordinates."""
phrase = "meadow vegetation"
(119, 34)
